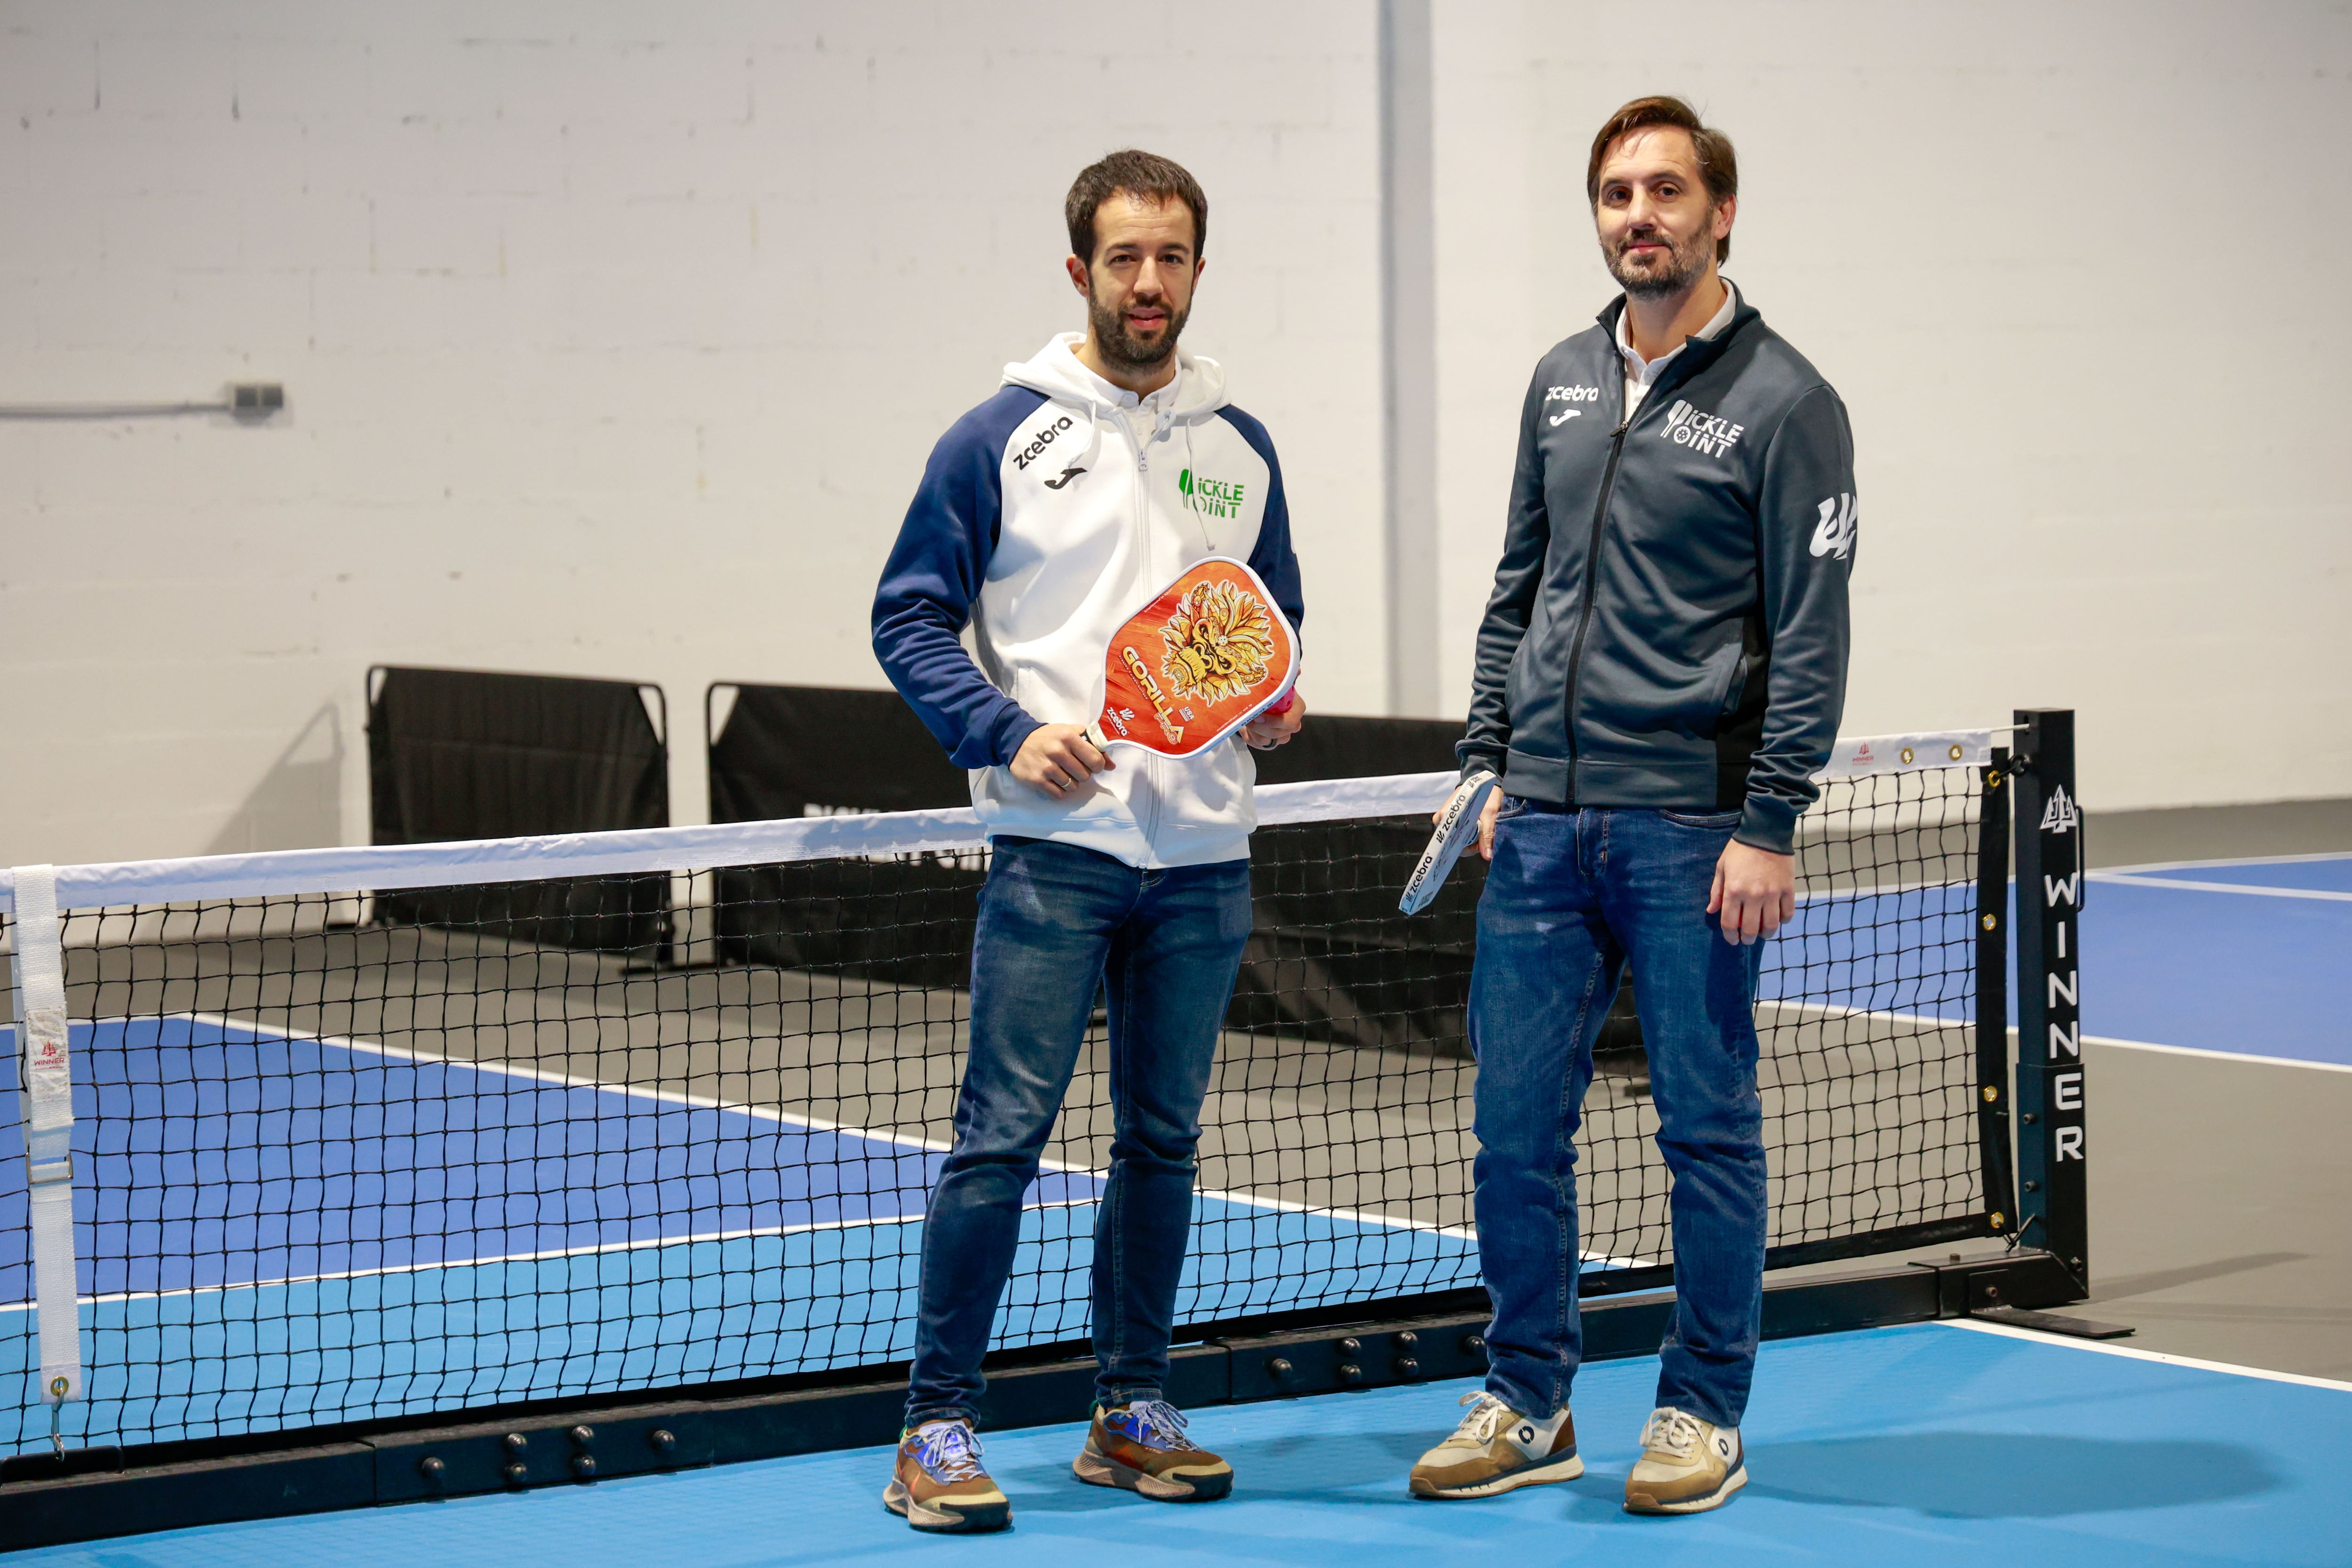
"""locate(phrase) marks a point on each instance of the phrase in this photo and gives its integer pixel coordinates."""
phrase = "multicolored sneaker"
(938, 1483)
(1688, 1464)
(1141, 1446)
(1497, 1449)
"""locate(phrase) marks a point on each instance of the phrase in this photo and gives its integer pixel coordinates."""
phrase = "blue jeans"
(1573, 894)
(1054, 920)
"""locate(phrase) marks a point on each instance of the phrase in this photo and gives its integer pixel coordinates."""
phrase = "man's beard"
(1123, 348)
(1685, 265)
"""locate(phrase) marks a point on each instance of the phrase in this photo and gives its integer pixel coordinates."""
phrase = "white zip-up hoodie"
(1046, 517)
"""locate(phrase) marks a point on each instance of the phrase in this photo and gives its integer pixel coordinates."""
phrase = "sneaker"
(1496, 1449)
(938, 1484)
(1141, 1446)
(1688, 1464)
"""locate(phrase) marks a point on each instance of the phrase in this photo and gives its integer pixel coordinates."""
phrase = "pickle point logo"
(1211, 497)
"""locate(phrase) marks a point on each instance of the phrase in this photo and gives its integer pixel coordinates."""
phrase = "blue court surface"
(275, 1231)
(2249, 957)
(1926, 1444)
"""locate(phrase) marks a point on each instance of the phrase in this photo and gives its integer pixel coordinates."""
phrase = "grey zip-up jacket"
(1668, 626)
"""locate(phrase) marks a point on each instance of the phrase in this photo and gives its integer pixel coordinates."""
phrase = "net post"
(2052, 1148)
(1995, 787)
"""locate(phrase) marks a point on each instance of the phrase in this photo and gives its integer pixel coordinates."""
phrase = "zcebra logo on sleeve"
(1833, 534)
(1045, 438)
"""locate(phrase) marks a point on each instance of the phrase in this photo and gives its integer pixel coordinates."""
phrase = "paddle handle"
(1093, 736)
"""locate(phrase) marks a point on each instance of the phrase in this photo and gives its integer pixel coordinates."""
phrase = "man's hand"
(1755, 890)
(1056, 760)
(1268, 730)
(1486, 814)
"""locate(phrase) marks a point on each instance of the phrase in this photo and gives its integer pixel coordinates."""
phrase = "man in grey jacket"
(1661, 671)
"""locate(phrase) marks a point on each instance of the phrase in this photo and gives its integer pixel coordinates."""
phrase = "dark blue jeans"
(1056, 919)
(1571, 896)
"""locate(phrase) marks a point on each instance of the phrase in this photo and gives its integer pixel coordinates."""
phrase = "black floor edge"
(101, 1494)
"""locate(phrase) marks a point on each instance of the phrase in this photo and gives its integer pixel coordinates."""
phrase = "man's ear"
(1079, 276)
(1725, 211)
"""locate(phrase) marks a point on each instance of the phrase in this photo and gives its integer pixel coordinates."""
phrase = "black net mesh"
(346, 1163)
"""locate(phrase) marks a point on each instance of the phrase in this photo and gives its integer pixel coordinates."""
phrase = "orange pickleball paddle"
(1208, 654)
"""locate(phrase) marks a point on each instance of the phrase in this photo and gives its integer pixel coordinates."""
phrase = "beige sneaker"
(1496, 1449)
(1688, 1464)
(939, 1485)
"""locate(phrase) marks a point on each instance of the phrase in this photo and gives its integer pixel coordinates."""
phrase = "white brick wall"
(615, 336)
(2072, 270)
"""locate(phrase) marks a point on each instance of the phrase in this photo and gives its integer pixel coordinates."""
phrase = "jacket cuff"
(1013, 731)
(1479, 762)
(1768, 823)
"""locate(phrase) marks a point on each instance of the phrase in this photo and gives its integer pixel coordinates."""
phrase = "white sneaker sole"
(944, 1520)
(1716, 1499)
(1565, 1469)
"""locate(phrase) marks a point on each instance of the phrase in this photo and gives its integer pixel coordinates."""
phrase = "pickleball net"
(364, 1133)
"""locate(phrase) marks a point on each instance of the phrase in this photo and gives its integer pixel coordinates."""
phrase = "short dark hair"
(1718, 166)
(1144, 174)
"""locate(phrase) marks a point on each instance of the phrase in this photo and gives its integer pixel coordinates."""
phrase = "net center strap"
(46, 1068)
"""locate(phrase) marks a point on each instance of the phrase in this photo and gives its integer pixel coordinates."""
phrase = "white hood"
(1196, 393)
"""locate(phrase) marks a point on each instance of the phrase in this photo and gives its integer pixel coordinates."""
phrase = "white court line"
(2223, 865)
(591, 1250)
(2068, 1341)
(704, 1103)
(2215, 1055)
(2116, 879)
(696, 1101)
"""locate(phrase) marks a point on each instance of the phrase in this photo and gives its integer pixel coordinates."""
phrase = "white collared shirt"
(1141, 413)
(1641, 374)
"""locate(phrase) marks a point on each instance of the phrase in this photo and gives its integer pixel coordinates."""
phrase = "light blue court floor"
(1928, 1444)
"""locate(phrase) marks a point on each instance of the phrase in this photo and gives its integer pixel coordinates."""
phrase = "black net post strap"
(341, 1156)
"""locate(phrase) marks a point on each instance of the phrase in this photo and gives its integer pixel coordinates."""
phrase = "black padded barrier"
(1324, 961)
(480, 753)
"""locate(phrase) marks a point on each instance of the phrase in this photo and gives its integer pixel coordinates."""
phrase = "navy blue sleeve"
(1276, 563)
(934, 573)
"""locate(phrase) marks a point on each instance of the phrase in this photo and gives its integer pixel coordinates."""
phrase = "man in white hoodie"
(1099, 470)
